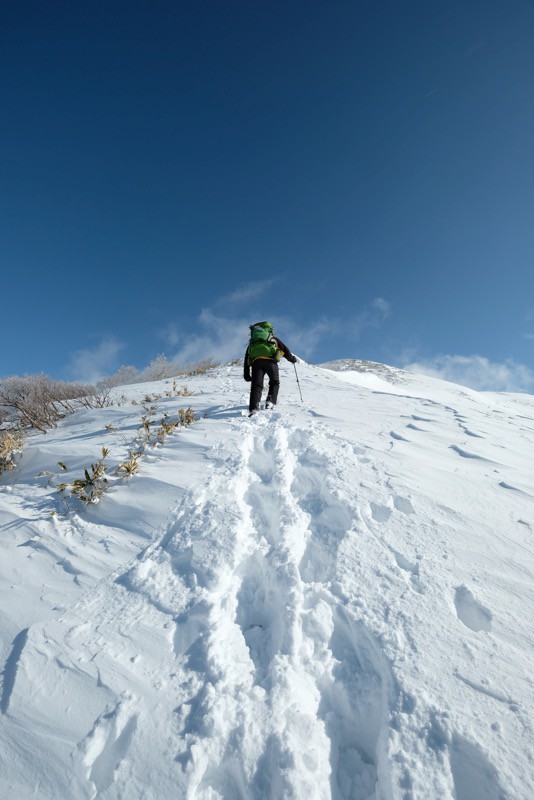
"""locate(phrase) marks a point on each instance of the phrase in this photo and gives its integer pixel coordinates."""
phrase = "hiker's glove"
(293, 359)
(247, 377)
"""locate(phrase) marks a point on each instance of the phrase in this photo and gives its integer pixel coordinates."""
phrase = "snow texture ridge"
(322, 601)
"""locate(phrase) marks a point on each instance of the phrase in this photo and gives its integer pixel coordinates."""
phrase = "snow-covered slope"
(330, 600)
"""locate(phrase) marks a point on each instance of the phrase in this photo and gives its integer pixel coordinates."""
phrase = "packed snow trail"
(336, 607)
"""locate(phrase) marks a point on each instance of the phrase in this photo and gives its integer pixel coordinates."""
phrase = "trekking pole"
(298, 382)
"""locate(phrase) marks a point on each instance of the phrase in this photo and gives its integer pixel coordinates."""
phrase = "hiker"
(261, 358)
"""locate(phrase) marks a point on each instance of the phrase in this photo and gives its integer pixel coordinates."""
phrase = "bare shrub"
(92, 486)
(50, 474)
(147, 420)
(11, 442)
(37, 401)
(99, 396)
(149, 436)
(124, 376)
(186, 416)
(64, 394)
(151, 398)
(130, 466)
(158, 369)
(167, 426)
(185, 391)
(161, 368)
(199, 368)
(29, 399)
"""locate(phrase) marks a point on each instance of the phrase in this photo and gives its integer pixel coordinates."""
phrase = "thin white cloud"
(222, 338)
(382, 306)
(244, 294)
(222, 330)
(372, 316)
(226, 338)
(529, 319)
(477, 372)
(304, 341)
(94, 363)
(170, 334)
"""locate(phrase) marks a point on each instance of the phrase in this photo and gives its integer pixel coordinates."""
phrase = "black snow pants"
(260, 368)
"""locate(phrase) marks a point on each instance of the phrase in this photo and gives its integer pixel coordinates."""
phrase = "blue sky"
(360, 173)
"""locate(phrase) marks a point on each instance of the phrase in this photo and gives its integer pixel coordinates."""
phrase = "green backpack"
(262, 342)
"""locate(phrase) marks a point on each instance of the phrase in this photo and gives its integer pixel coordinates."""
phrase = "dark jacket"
(284, 351)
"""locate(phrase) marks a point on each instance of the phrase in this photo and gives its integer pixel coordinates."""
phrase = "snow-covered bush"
(124, 376)
(158, 369)
(98, 397)
(10, 443)
(161, 368)
(37, 401)
(199, 368)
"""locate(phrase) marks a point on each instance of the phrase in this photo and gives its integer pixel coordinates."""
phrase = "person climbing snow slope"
(262, 355)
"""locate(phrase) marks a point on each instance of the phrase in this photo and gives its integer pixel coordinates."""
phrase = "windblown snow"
(333, 599)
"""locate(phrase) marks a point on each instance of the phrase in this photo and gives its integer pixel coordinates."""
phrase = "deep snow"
(330, 600)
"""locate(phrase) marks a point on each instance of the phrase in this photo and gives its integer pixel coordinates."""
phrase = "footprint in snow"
(475, 778)
(403, 504)
(351, 708)
(380, 513)
(328, 519)
(260, 612)
(107, 745)
(262, 460)
(413, 570)
(469, 611)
